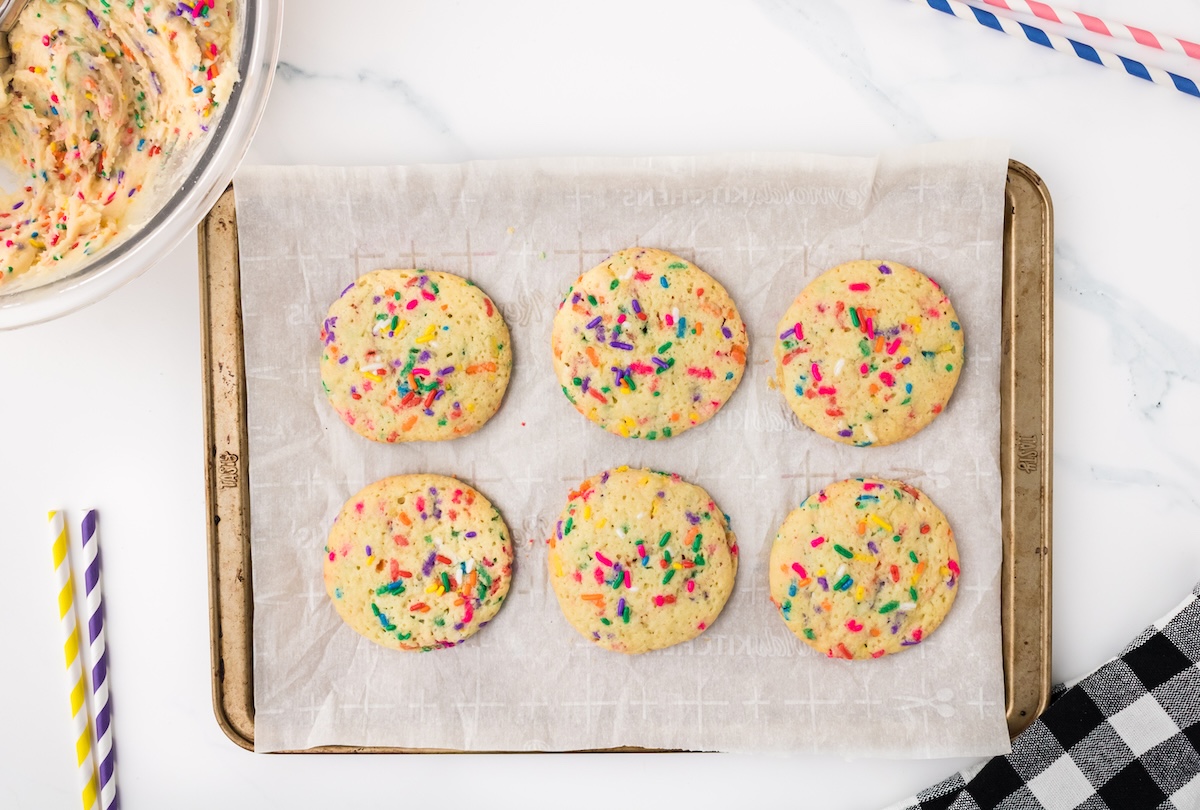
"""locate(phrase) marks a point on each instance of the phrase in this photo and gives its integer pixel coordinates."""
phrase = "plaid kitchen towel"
(1125, 737)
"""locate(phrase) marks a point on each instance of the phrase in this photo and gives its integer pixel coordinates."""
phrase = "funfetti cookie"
(864, 568)
(418, 562)
(647, 345)
(641, 560)
(414, 355)
(869, 353)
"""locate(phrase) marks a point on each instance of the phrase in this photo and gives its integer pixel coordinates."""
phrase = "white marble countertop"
(103, 408)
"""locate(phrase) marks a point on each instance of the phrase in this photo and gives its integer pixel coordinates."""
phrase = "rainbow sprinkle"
(873, 574)
(628, 570)
(452, 593)
(395, 389)
(893, 339)
(618, 334)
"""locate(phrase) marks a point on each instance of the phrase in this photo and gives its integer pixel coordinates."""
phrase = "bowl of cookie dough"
(119, 128)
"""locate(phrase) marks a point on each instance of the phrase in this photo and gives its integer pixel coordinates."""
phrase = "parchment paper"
(763, 225)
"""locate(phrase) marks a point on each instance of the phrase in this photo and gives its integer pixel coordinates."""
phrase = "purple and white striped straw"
(98, 658)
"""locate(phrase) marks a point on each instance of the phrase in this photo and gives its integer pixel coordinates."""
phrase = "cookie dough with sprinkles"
(864, 568)
(869, 353)
(641, 560)
(414, 355)
(647, 345)
(100, 106)
(418, 562)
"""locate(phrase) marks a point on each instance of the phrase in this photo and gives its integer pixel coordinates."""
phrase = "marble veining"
(402, 90)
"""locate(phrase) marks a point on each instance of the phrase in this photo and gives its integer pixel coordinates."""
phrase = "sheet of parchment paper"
(764, 225)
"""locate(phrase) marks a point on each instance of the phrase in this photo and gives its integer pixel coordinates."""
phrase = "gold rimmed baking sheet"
(1025, 462)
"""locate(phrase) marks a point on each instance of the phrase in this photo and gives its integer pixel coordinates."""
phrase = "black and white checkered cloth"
(1125, 737)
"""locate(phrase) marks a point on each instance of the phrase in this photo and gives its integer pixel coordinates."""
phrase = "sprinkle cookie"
(641, 560)
(647, 345)
(418, 562)
(414, 355)
(864, 568)
(869, 353)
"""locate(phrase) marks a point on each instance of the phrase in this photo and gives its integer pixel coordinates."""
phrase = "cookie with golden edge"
(414, 355)
(864, 568)
(418, 562)
(641, 560)
(648, 345)
(869, 353)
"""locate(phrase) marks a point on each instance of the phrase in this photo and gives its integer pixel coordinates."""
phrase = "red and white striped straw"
(1096, 25)
(106, 757)
(1012, 27)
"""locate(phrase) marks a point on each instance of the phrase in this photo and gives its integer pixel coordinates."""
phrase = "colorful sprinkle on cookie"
(414, 355)
(864, 568)
(869, 353)
(641, 560)
(418, 562)
(647, 345)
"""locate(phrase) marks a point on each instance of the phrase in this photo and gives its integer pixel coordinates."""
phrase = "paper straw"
(1063, 44)
(66, 616)
(1096, 25)
(99, 661)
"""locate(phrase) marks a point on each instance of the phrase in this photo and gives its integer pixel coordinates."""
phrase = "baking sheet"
(763, 225)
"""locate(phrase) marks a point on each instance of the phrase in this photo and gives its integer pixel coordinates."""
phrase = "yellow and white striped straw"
(81, 726)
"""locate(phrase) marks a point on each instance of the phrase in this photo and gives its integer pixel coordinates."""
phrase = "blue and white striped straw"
(1056, 42)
